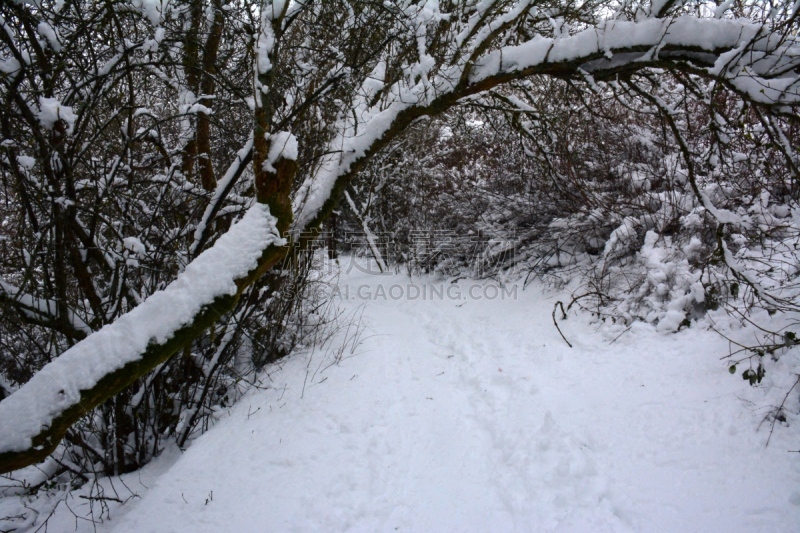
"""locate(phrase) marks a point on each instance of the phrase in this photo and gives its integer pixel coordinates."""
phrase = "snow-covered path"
(474, 415)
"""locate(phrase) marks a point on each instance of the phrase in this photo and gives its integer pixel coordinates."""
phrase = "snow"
(283, 145)
(317, 189)
(51, 111)
(26, 162)
(705, 34)
(40, 306)
(722, 215)
(134, 245)
(49, 33)
(474, 415)
(722, 8)
(153, 10)
(219, 193)
(58, 385)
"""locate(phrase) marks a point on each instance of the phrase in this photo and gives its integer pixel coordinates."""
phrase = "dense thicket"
(125, 153)
(662, 202)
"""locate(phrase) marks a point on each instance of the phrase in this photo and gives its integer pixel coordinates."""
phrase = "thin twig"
(564, 316)
(777, 411)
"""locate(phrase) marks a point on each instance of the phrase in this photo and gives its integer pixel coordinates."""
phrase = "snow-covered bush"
(119, 166)
(655, 198)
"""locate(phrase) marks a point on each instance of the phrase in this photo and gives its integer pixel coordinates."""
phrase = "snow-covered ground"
(470, 413)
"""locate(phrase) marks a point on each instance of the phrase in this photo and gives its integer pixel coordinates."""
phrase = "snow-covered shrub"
(123, 155)
(656, 198)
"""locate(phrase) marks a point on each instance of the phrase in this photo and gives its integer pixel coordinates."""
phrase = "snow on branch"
(61, 384)
(43, 310)
(761, 66)
(224, 186)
